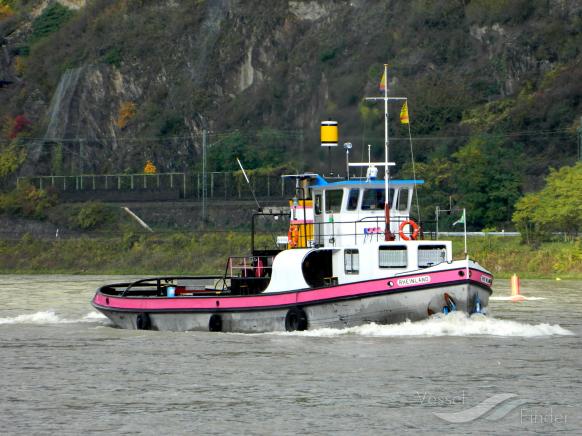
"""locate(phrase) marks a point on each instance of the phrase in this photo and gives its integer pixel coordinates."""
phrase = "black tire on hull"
(215, 323)
(296, 320)
(143, 322)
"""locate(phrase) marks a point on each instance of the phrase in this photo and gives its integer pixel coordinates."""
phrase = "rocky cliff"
(108, 84)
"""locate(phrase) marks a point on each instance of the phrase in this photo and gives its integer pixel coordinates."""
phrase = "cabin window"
(402, 199)
(353, 199)
(373, 199)
(393, 256)
(317, 207)
(333, 200)
(352, 261)
(429, 255)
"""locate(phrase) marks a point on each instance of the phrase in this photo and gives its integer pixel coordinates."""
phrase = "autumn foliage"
(20, 124)
(126, 113)
(150, 168)
(5, 11)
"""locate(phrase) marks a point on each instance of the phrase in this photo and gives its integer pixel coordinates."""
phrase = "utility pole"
(81, 156)
(580, 141)
(436, 214)
(204, 175)
(438, 211)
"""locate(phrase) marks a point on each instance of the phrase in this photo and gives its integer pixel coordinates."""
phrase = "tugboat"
(353, 256)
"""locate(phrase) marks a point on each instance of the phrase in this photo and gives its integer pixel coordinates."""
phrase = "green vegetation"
(50, 21)
(28, 201)
(113, 56)
(12, 156)
(57, 160)
(487, 177)
(494, 88)
(132, 253)
(92, 215)
(504, 256)
(556, 208)
(186, 253)
(265, 148)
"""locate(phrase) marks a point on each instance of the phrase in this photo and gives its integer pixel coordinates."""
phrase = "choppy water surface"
(65, 370)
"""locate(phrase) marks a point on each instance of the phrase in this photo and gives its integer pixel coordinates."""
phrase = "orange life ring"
(293, 236)
(415, 230)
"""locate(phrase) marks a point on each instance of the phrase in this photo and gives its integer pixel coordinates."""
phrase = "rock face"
(310, 11)
(73, 4)
(124, 81)
(85, 107)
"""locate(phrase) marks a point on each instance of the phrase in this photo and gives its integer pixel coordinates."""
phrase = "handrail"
(158, 280)
(253, 265)
(321, 234)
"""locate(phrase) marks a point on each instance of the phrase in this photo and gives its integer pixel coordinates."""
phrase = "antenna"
(372, 171)
(249, 183)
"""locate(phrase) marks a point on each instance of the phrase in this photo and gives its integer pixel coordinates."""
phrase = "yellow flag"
(383, 82)
(404, 113)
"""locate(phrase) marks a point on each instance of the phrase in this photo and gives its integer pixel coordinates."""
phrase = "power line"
(299, 133)
(222, 134)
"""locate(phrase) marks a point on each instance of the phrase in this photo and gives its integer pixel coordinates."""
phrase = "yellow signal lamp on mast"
(329, 134)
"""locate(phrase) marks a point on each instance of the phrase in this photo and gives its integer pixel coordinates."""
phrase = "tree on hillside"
(556, 208)
(12, 156)
(487, 177)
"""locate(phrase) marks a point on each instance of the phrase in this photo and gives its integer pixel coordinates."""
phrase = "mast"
(388, 235)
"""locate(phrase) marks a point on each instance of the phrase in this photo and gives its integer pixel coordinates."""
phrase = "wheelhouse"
(352, 212)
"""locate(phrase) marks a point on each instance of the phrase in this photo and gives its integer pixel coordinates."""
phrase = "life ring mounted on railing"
(293, 236)
(415, 230)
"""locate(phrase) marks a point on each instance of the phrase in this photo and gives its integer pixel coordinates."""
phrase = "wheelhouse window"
(351, 261)
(402, 199)
(353, 199)
(373, 199)
(317, 204)
(393, 256)
(429, 255)
(333, 200)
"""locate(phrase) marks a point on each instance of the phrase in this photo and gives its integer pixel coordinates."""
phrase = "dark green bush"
(92, 215)
(113, 56)
(51, 20)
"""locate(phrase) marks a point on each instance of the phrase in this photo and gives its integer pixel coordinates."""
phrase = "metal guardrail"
(513, 234)
(92, 182)
(219, 185)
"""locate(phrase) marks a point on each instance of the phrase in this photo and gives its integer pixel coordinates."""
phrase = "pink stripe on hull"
(290, 298)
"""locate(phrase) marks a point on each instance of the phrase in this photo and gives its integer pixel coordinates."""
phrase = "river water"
(66, 370)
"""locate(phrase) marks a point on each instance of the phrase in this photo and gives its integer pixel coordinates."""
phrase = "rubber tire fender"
(296, 320)
(143, 321)
(215, 323)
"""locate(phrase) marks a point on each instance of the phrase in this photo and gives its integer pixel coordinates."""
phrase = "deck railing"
(249, 266)
(364, 230)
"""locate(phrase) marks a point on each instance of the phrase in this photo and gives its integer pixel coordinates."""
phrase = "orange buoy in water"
(516, 289)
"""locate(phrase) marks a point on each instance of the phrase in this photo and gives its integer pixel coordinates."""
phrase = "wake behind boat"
(353, 256)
